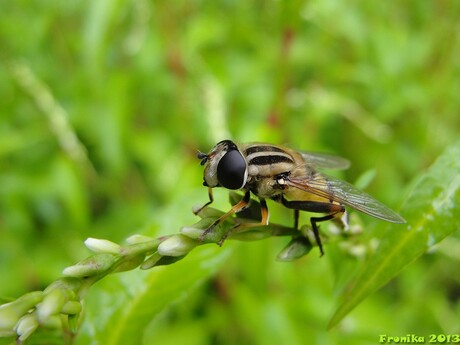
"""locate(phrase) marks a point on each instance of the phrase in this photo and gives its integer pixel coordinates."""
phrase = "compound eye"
(231, 170)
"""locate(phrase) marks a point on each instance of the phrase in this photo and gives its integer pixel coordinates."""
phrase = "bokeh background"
(104, 104)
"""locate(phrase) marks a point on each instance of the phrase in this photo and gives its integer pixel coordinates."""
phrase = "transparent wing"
(325, 161)
(344, 193)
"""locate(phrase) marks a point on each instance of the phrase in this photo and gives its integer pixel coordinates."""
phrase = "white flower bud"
(51, 304)
(135, 239)
(176, 245)
(102, 246)
(26, 326)
(192, 232)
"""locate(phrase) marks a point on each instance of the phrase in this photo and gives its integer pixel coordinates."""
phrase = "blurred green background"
(104, 104)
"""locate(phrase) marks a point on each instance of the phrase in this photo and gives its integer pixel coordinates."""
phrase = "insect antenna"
(203, 156)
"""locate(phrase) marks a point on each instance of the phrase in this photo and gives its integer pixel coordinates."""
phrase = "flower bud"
(52, 304)
(158, 260)
(91, 266)
(26, 326)
(136, 238)
(71, 308)
(151, 261)
(11, 312)
(196, 230)
(102, 246)
(296, 248)
(192, 232)
(176, 245)
(144, 247)
(52, 322)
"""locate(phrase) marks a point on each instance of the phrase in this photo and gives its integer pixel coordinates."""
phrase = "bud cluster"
(59, 305)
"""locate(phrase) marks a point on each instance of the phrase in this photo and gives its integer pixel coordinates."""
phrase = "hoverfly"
(288, 177)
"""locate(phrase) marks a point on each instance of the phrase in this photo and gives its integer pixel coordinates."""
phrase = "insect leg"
(313, 221)
(314, 206)
(264, 216)
(243, 226)
(236, 208)
(296, 219)
(211, 199)
(264, 212)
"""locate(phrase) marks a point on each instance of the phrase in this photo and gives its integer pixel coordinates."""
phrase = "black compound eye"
(231, 170)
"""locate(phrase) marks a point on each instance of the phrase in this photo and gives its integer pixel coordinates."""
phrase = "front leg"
(211, 200)
(244, 226)
(236, 208)
(313, 206)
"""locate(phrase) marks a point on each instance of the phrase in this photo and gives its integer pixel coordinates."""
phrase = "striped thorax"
(267, 160)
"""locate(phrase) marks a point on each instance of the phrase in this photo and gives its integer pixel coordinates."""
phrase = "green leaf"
(432, 211)
(120, 307)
